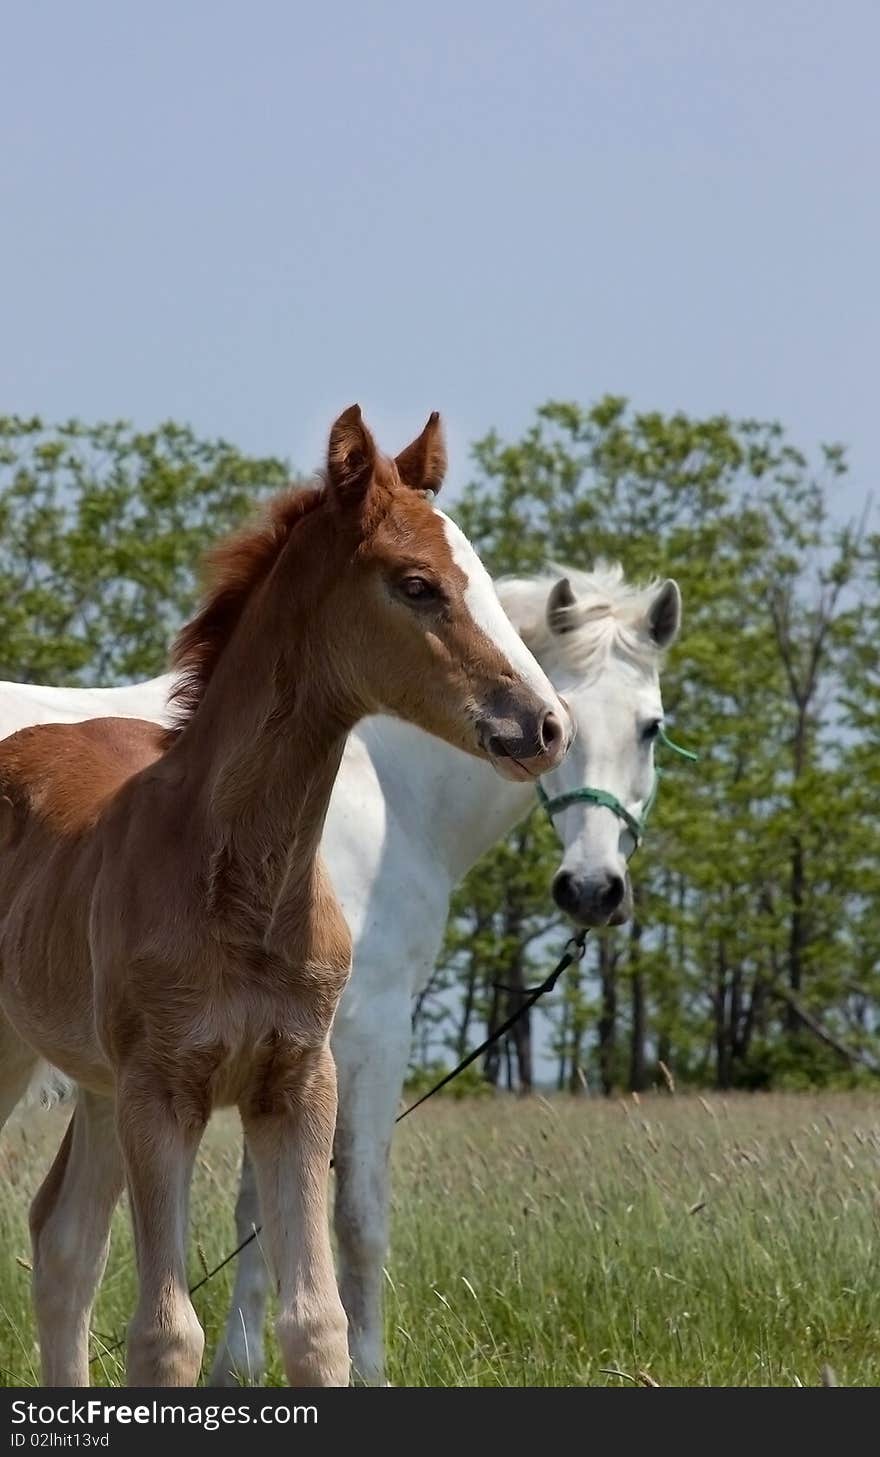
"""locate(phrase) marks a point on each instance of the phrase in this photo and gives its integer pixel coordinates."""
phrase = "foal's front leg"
(288, 1118)
(70, 1235)
(159, 1144)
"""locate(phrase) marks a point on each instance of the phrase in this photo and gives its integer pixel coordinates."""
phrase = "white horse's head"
(601, 643)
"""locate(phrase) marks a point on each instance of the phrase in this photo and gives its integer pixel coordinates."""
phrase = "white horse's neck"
(453, 805)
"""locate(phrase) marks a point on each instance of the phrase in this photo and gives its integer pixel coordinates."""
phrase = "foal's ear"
(351, 456)
(423, 464)
(560, 617)
(664, 614)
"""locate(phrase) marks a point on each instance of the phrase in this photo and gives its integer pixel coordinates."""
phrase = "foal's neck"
(262, 750)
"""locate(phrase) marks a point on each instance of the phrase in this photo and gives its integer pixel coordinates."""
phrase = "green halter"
(588, 795)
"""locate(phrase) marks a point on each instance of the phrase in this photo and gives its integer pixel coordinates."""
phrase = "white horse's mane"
(610, 614)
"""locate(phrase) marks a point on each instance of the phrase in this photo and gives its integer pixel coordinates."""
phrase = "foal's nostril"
(551, 732)
(613, 893)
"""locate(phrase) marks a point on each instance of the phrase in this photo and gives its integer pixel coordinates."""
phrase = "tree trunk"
(735, 1020)
(508, 1064)
(481, 921)
(576, 1046)
(638, 1077)
(751, 1019)
(562, 1064)
(797, 938)
(667, 1007)
(520, 1035)
(722, 1039)
(492, 1060)
(510, 974)
(577, 1027)
(797, 934)
(608, 1017)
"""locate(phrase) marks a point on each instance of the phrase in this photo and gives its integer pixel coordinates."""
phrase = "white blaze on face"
(488, 614)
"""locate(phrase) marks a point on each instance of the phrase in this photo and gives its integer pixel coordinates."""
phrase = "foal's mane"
(233, 571)
(609, 615)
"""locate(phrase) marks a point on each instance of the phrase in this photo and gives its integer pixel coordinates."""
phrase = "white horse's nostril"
(613, 893)
(566, 893)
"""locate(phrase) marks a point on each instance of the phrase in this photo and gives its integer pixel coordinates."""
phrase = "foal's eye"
(418, 589)
(652, 729)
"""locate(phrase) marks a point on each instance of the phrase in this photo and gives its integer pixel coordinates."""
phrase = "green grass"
(678, 1240)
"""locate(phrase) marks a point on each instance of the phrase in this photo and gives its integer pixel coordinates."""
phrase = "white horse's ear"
(664, 614)
(559, 604)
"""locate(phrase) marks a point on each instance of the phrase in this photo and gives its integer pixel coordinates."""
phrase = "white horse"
(408, 818)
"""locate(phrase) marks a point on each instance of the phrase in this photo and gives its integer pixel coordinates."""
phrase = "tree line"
(753, 958)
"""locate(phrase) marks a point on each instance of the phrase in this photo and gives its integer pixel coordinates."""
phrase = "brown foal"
(168, 936)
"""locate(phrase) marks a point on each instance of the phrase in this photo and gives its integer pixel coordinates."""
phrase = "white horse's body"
(407, 819)
(22, 704)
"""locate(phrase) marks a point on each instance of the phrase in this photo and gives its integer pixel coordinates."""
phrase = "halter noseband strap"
(588, 795)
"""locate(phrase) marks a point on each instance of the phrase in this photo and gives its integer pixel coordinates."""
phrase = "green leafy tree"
(737, 965)
(101, 531)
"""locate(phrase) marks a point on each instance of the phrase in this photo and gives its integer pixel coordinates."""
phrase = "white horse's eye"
(652, 729)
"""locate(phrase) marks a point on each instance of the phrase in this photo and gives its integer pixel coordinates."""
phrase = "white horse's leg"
(240, 1360)
(371, 1073)
(289, 1129)
(17, 1064)
(70, 1236)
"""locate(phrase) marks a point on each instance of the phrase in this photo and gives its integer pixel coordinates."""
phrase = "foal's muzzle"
(523, 746)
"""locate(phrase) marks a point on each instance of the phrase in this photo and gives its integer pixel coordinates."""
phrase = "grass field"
(680, 1241)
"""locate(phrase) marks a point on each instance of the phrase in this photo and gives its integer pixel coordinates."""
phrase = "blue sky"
(248, 216)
